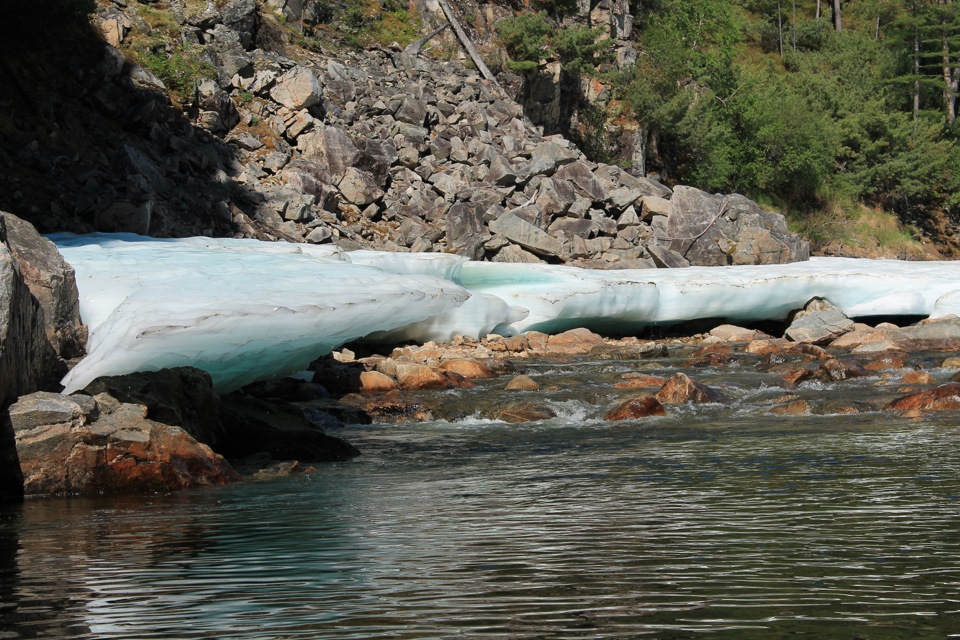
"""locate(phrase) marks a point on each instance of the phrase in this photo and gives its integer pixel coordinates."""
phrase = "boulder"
(466, 231)
(255, 425)
(241, 16)
(522, 383)
(414, 376)
(819, 323)
(359, 187)
(716, 230)
(297, 89)
(681, 388)
(636, 408)
(469, 369)
(180, 396)
(75, 444)
(946, 397)
(584, 182)
(527, 235)
(574, 342)
(52, 282)
(329, 150)
(376, 382)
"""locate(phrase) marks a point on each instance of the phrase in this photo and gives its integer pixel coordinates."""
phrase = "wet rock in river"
(635, 408)
(522, 383)
(681, 388)
(946, 397)
(516, 412)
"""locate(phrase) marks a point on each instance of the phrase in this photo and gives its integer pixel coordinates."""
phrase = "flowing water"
(716, 521)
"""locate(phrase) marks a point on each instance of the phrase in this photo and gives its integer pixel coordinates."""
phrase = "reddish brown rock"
(389, 408)
(917, 377)
(835, 369)
(946, 397)
(794, 408)
(522, 383)
(470, 369)
(73, 444)
(376, 382)
(640, 382)
(681, 388)
(800, 374)
(536, 340)
(414, 376)
(766, 346)
(635, 408)
(951, 363)
(516, 412)
(573, 342)
(884, 363)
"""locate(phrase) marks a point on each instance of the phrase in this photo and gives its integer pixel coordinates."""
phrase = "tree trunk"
(818, 9)
(780, 29)
(949, 92)
(916, 72)
(837, 17)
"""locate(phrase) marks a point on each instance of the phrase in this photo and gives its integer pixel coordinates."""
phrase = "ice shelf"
(246, 310)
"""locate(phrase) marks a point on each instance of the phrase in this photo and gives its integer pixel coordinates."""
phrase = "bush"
(525, 39)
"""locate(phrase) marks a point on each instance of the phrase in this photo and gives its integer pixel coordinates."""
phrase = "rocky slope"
(380, 148)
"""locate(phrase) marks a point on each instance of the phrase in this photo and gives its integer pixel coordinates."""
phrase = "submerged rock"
(946, 397)
(522, 411)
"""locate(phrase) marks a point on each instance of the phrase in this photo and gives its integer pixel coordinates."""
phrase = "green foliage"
(525, 39)
(830, 119)
(179, 71)
(581, 50)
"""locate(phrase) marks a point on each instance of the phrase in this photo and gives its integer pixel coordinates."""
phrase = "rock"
(253, 425)
(75, 445)
(584, 182)
(522, 383)
(835, 369)
(885, 363)
(181, 396)
(528, 236)
(52, 282)
(819, 323)
(574, 342)
(794, 408)
(28, 361)
(241, 16)
(713, 230)
(414, 376)
(732, 333)
(359, 187)
(212, 99)
(393, 407)
(297, 89)
(640, 381)
(681, 388)
(376, 382)
(946, 397)
(515, 255)
(636, 408)
(329, 150)
(667, 258)
(917, 377)
(642, 351)
(517, 412)
(469, 369)
(466, 231)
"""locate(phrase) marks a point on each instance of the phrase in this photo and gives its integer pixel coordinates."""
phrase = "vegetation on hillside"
(792, 101)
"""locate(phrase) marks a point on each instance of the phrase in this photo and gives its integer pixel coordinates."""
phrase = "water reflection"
(690, 526)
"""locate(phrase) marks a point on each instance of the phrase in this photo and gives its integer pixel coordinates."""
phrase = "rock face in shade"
(79, 444)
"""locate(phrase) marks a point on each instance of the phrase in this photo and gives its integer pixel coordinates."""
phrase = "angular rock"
(414, 376)
(819, 325)
(583, 180)
(297, 89)
(515, 255)
(359, 187)
(181, 396)
(666, 258)
(518, 230)
(466, 230)
(376, 382)
(75, 445)
(636, 408)
(328, 149)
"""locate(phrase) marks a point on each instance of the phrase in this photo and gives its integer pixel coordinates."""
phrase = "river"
(719, 522)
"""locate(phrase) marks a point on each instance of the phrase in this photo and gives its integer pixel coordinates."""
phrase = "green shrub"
(525, 39)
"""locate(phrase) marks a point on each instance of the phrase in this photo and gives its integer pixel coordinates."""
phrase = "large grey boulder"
(716, 230)
(819, 323)
(329, 148)
(297, 89)
(465, 230)
(241, 16)
(527, 235)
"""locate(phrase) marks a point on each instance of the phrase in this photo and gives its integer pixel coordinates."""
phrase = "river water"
(719, 522)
